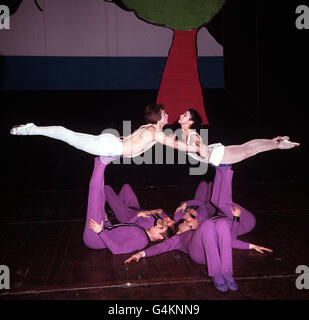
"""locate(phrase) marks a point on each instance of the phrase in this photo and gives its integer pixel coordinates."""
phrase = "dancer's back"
(139, 141)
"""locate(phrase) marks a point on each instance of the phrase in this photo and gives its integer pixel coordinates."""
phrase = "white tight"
(99, 145)
(237, 153)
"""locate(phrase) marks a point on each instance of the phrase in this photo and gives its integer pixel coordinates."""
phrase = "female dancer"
(146, 136)
(219, 154)
(122, 238)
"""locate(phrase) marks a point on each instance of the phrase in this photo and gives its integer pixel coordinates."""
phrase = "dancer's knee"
(90, 242)
(251, 222)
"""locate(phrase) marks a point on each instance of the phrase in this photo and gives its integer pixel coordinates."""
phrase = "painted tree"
(180, 86)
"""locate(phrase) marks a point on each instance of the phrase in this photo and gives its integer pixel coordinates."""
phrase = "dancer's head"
(166, 222)
(190, 217)
(155, 113)
(160, 232)
(190, 118)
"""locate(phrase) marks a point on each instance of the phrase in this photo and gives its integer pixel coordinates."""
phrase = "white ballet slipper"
(22, 129)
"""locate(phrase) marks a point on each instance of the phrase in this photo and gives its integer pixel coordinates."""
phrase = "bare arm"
(169, 141)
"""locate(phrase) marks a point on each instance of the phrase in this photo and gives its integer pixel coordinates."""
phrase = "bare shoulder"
(151, 130)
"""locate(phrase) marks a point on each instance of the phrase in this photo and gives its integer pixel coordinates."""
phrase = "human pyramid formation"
(206, 228)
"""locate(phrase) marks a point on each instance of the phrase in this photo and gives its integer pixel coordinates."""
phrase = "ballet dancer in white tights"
(146, 136)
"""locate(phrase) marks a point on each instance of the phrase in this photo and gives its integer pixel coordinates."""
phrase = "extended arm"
(165, 246)
(160, 137)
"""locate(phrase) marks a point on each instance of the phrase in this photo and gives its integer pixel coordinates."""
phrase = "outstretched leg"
(204, 249)
(225, 202)
(96, 203)
(101, 145)
(236, 153)
(128, 196)
(122, 212)
(201, 191)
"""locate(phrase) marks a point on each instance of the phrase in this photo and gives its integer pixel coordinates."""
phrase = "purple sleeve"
(133, 219)
(234, 229)
(238, 244)
(167, 245)
(128, 246)
(178, 215)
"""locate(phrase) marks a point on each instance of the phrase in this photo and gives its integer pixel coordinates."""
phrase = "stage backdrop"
(92, 45)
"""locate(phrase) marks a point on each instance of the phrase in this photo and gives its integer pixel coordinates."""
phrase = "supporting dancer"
(212, 241)
(201, 206)
(123, 238)
(127, 209)
(146, 136)
(220, 154)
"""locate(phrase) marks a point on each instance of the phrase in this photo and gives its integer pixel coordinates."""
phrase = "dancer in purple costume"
(124, 238)
(127, 209)
(200, 206)
(212, 241)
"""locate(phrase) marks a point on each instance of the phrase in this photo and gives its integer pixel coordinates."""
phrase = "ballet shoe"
(232, 285)
(220, 286)
(22, 129)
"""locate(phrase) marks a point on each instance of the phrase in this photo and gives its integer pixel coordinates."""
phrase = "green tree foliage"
(175, 14)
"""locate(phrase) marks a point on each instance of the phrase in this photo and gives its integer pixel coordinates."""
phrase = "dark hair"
(168, 233)
(196, 118)
(153, 113)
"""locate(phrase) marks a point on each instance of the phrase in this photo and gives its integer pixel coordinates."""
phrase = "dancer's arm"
(119, 248)
(160, 137)
(116, 248)
(238, 244)
(148, 213)
(165, 246)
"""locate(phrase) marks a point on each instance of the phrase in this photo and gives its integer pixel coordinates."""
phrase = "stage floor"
(41, 243)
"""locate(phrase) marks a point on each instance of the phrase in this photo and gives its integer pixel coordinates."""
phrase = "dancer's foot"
(286, 144)
(230, 282)
(106, 160)
(22, 129)
(219, 283)
(279, 138)
(224, 166)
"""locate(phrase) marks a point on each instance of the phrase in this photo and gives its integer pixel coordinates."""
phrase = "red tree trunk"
(180, 87)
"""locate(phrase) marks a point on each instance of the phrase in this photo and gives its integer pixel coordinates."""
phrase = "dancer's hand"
(147, 213)
(259, 248)
(94, 226)
(236, 211)
(135, 257)
(172, 135)
(181, 207)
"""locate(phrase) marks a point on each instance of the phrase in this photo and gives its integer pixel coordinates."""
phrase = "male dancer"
(146, 136)
(123, 238)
